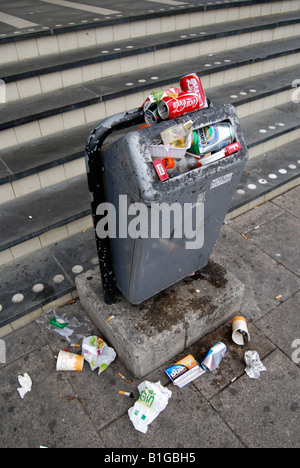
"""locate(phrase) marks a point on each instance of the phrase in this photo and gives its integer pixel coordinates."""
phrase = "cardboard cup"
(69, 362)
(239, 324)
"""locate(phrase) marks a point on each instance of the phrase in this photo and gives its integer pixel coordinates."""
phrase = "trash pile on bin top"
(182, 147)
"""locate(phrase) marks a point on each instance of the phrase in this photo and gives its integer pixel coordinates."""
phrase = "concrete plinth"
(153, 333)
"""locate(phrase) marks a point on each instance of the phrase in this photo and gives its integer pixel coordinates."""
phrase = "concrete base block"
(150, 334)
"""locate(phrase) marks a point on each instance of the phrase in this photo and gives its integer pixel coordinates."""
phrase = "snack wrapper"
(254, 364)
(97, 353)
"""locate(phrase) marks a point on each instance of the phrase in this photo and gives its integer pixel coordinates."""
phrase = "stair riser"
(61, 79)
(52, 44)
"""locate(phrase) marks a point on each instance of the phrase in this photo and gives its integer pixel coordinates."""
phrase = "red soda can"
(170, 108)
(192, 84)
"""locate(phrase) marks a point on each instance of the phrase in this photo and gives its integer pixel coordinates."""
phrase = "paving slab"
(278, 238)
(282, 327)
(233, 365)
(57, 419)
(264, 278)
(289, 201)
(256, 217)
(264, 412)
(171, 429)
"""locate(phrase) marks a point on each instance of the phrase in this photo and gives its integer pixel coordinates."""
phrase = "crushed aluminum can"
(254, 364)
(151, 114)
(214, 357)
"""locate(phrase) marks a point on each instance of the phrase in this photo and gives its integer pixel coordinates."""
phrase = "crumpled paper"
(26, 384)
(97, 353)
(152, 400)
(254, 364)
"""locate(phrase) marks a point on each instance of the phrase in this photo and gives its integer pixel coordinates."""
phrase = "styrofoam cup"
(239, 324)
(69, 362)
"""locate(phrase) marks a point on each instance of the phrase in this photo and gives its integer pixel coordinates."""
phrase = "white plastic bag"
(153, 399)
(97, 353)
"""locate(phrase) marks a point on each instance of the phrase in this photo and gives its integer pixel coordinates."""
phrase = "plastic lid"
(169, 163)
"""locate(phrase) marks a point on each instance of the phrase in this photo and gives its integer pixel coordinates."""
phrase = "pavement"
(223, 409)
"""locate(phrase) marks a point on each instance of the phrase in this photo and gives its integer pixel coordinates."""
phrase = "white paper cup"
(239, 325)
(69, 362)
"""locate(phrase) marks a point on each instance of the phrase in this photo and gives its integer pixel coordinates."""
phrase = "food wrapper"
(254, 364)
(177, 135)
(153, 400)
(26, 384)
(97, 353)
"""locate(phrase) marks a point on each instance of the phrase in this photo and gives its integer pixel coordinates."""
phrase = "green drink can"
(212, 138)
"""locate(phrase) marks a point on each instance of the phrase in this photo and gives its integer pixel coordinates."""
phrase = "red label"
(233, 148)
(160, 170)
(183, 104)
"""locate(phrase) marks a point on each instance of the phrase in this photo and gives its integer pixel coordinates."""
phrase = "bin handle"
(96, 184)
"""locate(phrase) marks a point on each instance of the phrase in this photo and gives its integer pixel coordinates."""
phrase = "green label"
(58, 322)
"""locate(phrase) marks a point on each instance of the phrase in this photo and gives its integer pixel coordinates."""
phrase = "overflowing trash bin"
(162, 178)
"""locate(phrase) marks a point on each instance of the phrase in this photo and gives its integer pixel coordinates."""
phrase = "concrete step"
(56, 29)
(76, 105)
(34, 76)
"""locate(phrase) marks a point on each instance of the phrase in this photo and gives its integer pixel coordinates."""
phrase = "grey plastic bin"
(161, 232)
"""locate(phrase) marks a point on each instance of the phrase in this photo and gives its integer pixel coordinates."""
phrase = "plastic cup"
(240, 332)
(69, 362)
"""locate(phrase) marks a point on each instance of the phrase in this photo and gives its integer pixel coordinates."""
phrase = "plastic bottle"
(186, 164)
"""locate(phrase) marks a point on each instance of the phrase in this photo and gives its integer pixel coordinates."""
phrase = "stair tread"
(256, 127)
(44, 105)
(22, 69)
(252, 88)
(267, 172)
(69, 200)
(57, 20)
(40, 267)
(45, 209)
